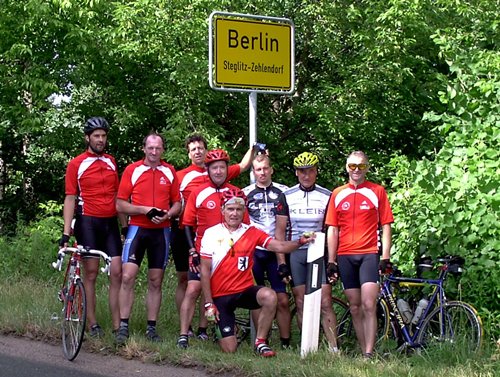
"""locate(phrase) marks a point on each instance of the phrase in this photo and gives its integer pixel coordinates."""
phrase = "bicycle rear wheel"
(74, 318)
(346, 334)
(457, 328)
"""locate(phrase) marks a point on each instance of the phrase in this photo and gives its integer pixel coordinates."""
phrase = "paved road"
(26, 358)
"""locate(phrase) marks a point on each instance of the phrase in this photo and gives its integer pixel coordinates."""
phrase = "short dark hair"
(193, 139)
(154, 134)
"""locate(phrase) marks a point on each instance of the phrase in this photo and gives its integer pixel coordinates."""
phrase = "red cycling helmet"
(216, 155)
(233, 196)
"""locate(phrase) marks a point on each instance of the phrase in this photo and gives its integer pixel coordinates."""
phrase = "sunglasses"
(359, 166)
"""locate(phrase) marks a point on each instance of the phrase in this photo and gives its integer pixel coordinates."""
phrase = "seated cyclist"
(226, 272)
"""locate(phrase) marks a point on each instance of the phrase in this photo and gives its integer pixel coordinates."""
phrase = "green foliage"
(34, 248)
(450, 204)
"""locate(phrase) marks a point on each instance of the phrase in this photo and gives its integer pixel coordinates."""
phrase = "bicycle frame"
(437, 297)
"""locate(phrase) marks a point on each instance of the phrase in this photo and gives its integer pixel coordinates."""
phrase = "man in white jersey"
(303, 207)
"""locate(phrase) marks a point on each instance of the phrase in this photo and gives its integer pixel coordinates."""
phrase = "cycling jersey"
(94, 180)
(231, 254)
(194, 176)
(305, 209)
(262, 203)
(358, 212)
(203, 209)
(145, 186)
(189, 179)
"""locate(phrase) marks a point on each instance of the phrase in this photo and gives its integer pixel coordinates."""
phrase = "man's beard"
(95, 150)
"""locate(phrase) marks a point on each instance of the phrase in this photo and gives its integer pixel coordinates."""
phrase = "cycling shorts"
(154, 241)
(298, 267)
(193, 276)
(179, 248)
(357, 269)
(100, 233)
(265, 266)
(226, 305)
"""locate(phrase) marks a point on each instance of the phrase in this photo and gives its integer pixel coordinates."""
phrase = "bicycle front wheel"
(457, 328)
(74, 318)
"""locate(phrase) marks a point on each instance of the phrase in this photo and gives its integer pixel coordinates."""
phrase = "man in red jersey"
(226, 272)
(91, 184)
(201, 212)
(356, 212)
(189, 178)
(149, 194)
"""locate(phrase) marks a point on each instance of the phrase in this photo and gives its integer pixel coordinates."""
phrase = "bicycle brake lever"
(57, 265)
(105, 269)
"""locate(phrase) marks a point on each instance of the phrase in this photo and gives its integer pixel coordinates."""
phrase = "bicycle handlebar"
(82, 251)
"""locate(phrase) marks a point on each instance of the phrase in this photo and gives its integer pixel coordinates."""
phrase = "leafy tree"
(450, 204)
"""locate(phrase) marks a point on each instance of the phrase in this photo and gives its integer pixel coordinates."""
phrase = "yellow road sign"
(253, 54)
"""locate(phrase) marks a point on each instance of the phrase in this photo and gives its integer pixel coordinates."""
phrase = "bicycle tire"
(242, 329)
(346, 334)
(459, 329)
(74, 319)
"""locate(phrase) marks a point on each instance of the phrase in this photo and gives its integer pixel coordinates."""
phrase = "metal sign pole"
(252, 124)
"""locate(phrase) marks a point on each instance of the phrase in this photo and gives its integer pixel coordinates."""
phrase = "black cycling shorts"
(179, 247)
(357, 269)
(226, 305)
(153, 241)
(265, 266)
(99, 233)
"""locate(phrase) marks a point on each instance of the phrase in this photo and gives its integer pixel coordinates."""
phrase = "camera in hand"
(155, 212)
(260, 147)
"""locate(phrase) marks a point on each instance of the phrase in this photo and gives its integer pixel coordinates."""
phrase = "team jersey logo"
(259, 196)
(364, 205)
(273, 195)
(210, 204)
(242, 263)
(346, 206)
(163, 181)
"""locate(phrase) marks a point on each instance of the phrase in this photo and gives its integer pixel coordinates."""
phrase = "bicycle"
(72, 294)
(439, 322)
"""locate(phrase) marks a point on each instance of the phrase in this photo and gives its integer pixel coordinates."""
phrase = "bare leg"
(228, 344)
(188, 305)
(354, 297)
(126, 299)
(115, 281)
(153, 298)
(328, 319)
(369, 294)
(283, 316)
(90, 271)
(180, 291)
(298, 294)
(266, 297)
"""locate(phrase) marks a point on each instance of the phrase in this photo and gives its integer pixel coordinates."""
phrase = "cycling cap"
(95, 123)
(216, 155)
(305, 160)
(233, 196)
